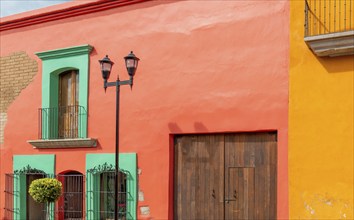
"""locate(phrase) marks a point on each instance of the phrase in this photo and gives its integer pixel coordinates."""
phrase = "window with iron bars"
(18, 203)
(70, 205)
(101, 183)
(71, 202)
(106, 195)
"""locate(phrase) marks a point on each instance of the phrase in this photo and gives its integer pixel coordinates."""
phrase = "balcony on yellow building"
(329, 27)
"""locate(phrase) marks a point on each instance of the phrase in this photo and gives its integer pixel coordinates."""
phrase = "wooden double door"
(225, 176)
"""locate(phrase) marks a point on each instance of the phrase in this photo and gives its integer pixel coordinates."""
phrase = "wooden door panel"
(256, 152)
(199, 177)
(68, 121)
(215, 151)
(240, 200)
(68, 101)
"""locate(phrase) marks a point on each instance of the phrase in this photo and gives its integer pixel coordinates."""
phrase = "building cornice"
(69, 12)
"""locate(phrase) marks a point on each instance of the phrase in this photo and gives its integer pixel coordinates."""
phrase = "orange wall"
(205, 67)
(321, 130)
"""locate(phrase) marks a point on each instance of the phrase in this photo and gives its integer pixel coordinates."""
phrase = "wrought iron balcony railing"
(328, 16)
(61, 122)
(329, 27)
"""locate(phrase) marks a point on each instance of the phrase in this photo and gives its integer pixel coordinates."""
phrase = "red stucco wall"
(205, 67)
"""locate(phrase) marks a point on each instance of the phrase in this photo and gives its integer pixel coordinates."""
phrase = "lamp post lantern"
(131, 63)
(106, 66)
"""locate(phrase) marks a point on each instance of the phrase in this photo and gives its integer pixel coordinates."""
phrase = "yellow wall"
(320, 129)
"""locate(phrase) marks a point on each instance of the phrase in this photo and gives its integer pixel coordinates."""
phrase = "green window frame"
(58, 61)
(127, 164)
(21, 165)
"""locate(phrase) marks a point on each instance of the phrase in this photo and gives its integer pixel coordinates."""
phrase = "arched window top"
(62, 70)
(66, 70)
(70, 172)
(69, 88)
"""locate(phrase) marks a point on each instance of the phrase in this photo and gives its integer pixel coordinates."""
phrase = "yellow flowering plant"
(45, 190)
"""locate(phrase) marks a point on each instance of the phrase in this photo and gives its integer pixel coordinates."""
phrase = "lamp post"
(131, 63)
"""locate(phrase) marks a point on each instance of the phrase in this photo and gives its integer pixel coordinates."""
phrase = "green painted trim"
(127, 162)
(41, 162)
(65, 52)
(56, 62)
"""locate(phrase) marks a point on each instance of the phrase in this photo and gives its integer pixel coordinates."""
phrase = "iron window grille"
(70, 204)
(14, 194)
(103, 179)
(10, 193)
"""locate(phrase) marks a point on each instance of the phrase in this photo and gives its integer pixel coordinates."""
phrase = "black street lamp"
(131, 63)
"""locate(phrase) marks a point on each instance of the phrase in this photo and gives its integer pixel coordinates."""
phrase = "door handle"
(213, 194)
(230, 200)
(235, 197)
(235, 194)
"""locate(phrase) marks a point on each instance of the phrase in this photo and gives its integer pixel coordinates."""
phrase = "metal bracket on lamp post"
(118, 83)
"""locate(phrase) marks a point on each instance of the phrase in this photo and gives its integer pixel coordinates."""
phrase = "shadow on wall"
(337, 64)
(198, 128)
(174, 128)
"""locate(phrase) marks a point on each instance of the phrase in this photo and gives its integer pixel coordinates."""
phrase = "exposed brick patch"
(16, 72)
(3, 119)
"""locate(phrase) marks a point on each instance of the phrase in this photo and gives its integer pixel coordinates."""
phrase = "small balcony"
(62, 127)
(60, 123)
(329, 27)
